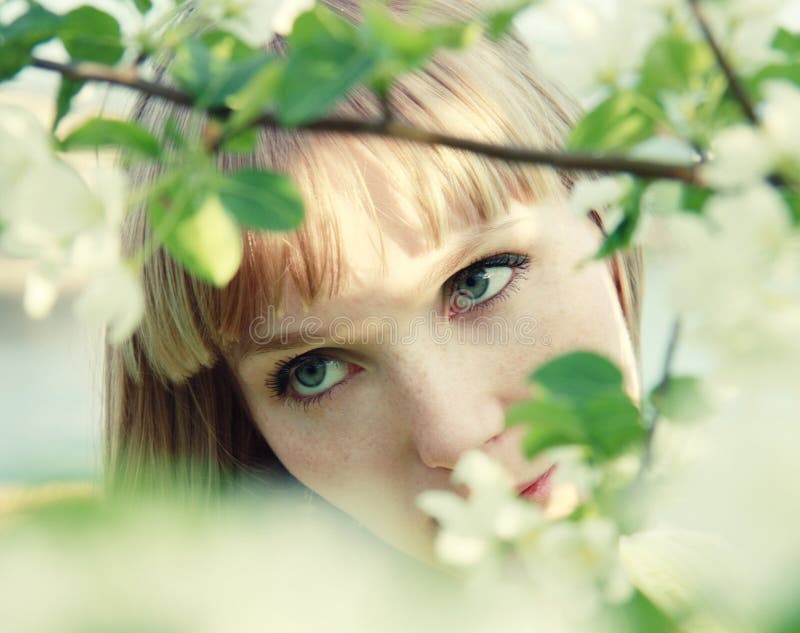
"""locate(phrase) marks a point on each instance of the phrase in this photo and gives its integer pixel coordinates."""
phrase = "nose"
(457, 404)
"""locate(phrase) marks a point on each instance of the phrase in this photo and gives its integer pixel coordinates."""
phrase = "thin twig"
(666, 374)
(735, 85)
(564, 160)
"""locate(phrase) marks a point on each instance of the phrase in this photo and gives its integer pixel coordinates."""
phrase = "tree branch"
(564, 160)
(735, 85)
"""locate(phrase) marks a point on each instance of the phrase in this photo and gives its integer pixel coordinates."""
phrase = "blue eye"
(316, 375)
(306, 378)
(482, 281)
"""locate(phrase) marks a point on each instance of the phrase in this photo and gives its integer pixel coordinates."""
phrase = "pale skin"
(394, 417)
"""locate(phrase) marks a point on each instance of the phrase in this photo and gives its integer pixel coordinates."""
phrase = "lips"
(539, 489)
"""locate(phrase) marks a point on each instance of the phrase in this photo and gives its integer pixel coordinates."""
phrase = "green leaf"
(582, 401)
(256, 96)
(787, 41)
(67, 90)
(680, 399)
(206, 241)
(547, 432)
(18, 38)
(262, 200)
(788, 72)
(543, 410)
(693, 199)
(110, 133)
(243, 142)
(618, 123)
(401, 47)
(612, 423)
(216, 66)
(640, 614)
(675, 64)
(621, 235)
(92, 35)
(326, 60)
(792, 199)
(143, 6)
(578, 376)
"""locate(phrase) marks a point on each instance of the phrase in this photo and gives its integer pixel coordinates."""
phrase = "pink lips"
(539, 489)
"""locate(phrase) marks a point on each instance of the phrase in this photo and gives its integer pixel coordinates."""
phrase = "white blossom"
(588, 44)
(493, 513)
(778, 114)
(741, 156)
(53, 217)
(113, 297)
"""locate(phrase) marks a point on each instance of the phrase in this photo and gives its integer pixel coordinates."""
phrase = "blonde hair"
(172, 403)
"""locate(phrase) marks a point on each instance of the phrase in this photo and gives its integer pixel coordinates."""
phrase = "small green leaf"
(326, 60)
(110, 133)
(693, 199)
(207, 241)
(582, 401)
(578, 376)
(618, 123)
(787, 41)
(548, 433)
(400, 47)
(92, 35)
(612, 423)
(621, 235)
(681, 398)
(262, 200)
(67, 90)
(214, 67)
(788, 72)
(542, 410)
(18, 38)
(674, 64)
(243, 142)
(143, 6)
(640, 614)
(256, 96)
(792, 199)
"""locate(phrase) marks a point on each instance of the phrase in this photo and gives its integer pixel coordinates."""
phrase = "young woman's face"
(370, 397)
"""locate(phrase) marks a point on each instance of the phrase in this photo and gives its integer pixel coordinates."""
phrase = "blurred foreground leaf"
(581, 401)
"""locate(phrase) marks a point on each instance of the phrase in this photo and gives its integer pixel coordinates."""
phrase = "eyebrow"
(450, 263)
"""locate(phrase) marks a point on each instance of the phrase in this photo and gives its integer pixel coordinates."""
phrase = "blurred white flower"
(745, 29)
(733, 275)
(253, 21)
(678, 570)
(113, 298)
(579, 558)
(741, 156)
(779, 118)
(53, 217)
(471, 528)
(41, 292)
(589, 44)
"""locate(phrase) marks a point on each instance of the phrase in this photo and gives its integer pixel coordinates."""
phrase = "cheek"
(330, 449)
